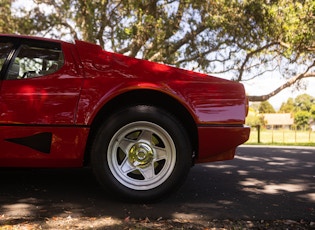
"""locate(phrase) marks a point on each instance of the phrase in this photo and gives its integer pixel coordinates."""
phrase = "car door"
(39, 92)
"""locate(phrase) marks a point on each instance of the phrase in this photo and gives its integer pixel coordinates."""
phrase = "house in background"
(278, 120)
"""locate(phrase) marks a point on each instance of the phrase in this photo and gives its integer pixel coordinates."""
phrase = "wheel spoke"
(161, 153)
(125, 144)
(126, 167)
(145, 135)
(147, 172)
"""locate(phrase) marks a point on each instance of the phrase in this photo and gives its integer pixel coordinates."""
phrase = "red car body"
(49, 120)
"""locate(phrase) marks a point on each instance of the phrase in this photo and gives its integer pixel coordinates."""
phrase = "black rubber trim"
(40, 141)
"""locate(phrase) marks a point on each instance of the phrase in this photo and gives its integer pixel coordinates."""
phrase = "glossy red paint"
(220, 141)
(67, 147)
(210, 100)
(67, 102)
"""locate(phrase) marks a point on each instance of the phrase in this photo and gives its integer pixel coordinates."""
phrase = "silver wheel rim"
(141, 155)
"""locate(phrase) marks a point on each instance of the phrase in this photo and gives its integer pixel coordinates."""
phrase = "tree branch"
(285, 85)
(250, 55)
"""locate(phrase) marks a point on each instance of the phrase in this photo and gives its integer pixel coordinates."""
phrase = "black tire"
(141, 153)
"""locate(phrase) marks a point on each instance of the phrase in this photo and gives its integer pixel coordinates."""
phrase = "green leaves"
(303, 109)
(301, 119)
(6, 20)
(266, 107)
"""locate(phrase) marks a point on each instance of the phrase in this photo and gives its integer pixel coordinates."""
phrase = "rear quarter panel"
(209, 100)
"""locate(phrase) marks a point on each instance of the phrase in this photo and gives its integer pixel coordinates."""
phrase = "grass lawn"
(286, 137)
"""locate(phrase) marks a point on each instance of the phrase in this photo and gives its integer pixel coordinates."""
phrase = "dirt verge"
(147, 224)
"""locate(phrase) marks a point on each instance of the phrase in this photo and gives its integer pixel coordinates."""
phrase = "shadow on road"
(260, 183)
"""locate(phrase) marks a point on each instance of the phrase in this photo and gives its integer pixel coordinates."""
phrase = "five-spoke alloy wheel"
(141, 153)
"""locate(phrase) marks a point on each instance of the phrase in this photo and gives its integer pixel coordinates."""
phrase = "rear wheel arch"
(144, 97)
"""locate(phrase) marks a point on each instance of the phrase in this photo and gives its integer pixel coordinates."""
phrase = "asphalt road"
(261, 183)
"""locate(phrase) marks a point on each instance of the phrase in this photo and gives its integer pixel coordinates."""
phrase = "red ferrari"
(139, 125)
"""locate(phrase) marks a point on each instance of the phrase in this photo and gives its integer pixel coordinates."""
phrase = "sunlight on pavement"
(215, 166)
(243, 172)
(283, 161)
(259, 187)
(19, 209)
(186, 216)
(276, 188)
(309, 196)
(249, 158)
(82, 223)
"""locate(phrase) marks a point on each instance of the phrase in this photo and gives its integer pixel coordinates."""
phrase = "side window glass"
(5, 49)
(33, 62)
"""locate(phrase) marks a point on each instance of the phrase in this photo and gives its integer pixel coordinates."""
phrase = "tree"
(245, 39)
(255, 120)
(312, 112)
(266, 107)
(288, 106)
(6, 19)
(303, 109)
(304, 102)
(301, 119)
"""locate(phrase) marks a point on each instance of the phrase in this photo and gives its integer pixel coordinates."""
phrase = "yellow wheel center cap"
(140, 155)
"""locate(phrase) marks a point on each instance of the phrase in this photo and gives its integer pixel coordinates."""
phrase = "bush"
(301, 119)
